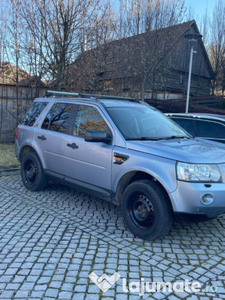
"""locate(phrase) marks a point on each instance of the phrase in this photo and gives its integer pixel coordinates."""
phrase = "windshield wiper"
(143, 138)
(175, 137)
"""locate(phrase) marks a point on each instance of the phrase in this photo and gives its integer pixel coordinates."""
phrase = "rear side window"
(210, 129)
(58, 117)
(33, 113)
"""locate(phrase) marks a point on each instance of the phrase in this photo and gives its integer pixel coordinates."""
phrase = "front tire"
(32, 173)
(147, 210)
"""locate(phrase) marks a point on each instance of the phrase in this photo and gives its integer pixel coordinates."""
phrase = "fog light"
(207, 199)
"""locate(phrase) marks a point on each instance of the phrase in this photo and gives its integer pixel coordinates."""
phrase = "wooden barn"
(154, 64)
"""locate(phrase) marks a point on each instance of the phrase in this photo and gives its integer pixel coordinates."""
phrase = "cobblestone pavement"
(50, 241)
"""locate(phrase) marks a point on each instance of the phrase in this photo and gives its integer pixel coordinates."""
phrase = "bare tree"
(138, 16)
(217, 45)
(11, 55)
(101, 28)
(56, 30)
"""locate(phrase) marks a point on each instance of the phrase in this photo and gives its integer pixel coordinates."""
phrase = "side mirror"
(97, 136)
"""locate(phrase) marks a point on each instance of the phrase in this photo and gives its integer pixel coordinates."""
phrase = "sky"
(198, 7)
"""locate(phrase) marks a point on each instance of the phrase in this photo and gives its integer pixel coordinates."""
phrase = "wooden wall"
(13, 108)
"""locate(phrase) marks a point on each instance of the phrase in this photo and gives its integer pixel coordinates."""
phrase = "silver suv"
(126, 152)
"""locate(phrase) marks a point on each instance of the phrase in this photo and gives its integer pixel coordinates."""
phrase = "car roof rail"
(91, 96)
(107, 97)
(57, 93)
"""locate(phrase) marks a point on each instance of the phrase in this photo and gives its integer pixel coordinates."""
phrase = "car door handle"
(73, 146)
(43, 138)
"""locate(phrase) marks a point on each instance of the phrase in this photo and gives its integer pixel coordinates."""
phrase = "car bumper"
(199, 199)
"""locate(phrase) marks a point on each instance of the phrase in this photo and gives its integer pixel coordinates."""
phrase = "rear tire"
(32, 173)
(147, 210)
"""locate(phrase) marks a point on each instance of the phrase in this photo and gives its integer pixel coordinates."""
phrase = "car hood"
(186, 150)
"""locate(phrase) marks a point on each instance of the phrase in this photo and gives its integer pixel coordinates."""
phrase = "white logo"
(104, 282)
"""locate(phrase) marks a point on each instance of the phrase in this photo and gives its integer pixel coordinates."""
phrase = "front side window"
(33, 113)
(88, 118)
(58, 117)
(187, 124)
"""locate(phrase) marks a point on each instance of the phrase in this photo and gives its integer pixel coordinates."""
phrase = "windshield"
(142, 122)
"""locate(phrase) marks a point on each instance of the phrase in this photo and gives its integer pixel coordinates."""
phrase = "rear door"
(52, 136)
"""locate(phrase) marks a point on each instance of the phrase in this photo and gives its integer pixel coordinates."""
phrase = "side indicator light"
(119, 158)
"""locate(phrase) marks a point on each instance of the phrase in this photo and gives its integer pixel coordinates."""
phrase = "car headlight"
(198, 172)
